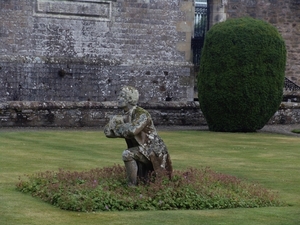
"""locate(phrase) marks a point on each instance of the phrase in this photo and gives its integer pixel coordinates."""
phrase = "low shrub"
(297, 131)
(106, 190)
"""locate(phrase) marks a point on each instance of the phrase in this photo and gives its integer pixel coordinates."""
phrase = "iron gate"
(200, 28)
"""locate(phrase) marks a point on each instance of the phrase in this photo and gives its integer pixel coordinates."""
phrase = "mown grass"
(269, 159)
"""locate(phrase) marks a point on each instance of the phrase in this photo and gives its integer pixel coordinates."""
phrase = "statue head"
(128, 96)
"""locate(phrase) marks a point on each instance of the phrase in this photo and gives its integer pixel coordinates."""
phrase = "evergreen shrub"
(241, 77)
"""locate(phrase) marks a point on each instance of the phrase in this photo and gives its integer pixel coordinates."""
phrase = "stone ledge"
(96, 114)
(37, 105)
(289, 105)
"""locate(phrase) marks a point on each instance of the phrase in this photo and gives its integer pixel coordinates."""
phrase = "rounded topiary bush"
(241, 77)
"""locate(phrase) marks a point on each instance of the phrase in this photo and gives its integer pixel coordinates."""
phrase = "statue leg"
(131, 167)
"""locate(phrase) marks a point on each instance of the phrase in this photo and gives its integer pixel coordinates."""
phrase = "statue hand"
(125, 130)
(111, 129)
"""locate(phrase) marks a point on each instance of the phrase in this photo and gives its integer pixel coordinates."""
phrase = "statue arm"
(129, 130)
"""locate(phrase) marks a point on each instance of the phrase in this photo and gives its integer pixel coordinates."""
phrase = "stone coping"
(112, 104)
(91, 105)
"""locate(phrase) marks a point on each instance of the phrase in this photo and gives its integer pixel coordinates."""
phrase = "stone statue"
(146, 151)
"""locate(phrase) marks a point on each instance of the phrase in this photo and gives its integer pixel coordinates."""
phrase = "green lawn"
(269, 159)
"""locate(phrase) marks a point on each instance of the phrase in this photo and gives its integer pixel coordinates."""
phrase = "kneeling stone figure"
(146, 151)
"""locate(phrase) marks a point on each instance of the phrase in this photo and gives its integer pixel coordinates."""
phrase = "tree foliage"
(241, 77)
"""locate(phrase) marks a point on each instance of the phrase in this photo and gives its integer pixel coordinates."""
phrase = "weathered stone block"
(59, 50)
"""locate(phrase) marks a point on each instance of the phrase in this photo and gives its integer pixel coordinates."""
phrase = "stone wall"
(96, 114)
(283, 14)
(92, 114)
(62, 62)
(61, 50)
(288, 113)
